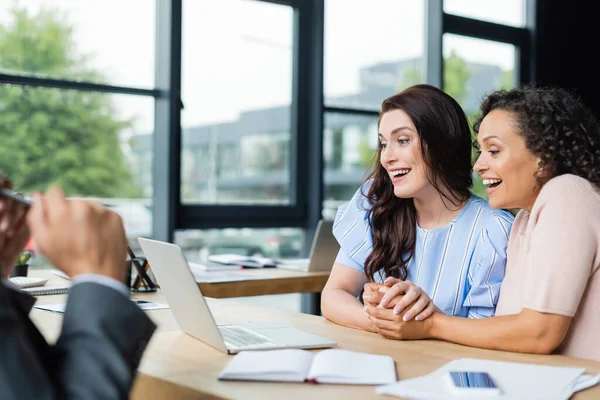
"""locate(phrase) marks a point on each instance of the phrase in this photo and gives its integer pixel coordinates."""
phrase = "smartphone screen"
(472, 379)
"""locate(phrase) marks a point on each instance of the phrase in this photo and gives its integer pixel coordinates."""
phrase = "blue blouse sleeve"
(342, 258)
(352, 230)
(486, 273)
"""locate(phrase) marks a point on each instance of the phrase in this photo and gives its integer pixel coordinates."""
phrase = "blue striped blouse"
(460, 265)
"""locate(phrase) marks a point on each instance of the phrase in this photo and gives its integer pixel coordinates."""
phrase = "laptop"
(323, 251)
(194, 317)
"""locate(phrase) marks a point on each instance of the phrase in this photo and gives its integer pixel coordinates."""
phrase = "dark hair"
(445, 140)
(557, 127)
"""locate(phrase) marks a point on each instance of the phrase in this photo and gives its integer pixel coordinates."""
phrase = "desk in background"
(273, 281)
(176, 365)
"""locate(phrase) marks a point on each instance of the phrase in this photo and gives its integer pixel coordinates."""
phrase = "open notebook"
(327, 366)
(47, 290)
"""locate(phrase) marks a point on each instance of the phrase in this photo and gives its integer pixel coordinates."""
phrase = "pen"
(16, 197)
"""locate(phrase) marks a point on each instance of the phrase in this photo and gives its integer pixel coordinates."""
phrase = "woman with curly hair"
(415, 222)
(540, 153)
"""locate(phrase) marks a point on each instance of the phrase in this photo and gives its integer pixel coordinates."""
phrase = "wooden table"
(272, 281)
(176, 365)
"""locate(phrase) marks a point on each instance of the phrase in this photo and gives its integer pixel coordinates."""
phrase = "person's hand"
(392, 326)
(373, 293)
(422, 306)
(78, 236)
(14, 232)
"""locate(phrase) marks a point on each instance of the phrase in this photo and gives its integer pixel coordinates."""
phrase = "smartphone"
(475, 383)
(16, 197)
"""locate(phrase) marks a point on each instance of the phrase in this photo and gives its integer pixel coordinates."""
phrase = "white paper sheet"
(60, 307)
(225, 276)
(516, 380)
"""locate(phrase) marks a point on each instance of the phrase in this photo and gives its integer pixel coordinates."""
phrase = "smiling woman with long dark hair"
(540, 152)
(414, 223)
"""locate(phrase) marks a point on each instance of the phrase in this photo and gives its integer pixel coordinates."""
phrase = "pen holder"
(20, 270)
(143, 278)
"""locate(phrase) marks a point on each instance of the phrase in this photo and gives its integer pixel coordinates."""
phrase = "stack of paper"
(213, 267)
(225, 276)
(244, 261)
(515, 380)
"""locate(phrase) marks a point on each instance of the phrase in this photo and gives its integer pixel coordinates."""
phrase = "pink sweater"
(553, 262)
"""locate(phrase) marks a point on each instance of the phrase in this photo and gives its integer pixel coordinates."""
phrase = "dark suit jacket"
(96, 357)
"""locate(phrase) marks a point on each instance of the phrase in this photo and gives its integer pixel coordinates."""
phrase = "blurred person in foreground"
(103, 332)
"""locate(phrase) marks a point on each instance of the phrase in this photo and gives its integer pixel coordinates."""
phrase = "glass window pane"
(349, 145)
(237, 91)
(474, 68)
(265, 242)
(108, 41)
(198, 244)
(85, 142)
(373, 50)
(506, 12)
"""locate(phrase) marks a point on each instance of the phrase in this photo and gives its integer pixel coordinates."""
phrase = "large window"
(237, 94)
(108, 41)
(480, 57)
(199, 244)
(475, 67)
(372, 51)
(349, 147)
(506, 12)
(196, 117)
(74, 111)
(237, 80)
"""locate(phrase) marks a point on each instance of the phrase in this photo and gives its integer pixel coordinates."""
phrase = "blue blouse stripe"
(487, 279)
(423, 258)
(441, 264)
(349, 230)
(358, 249)
(463, 264)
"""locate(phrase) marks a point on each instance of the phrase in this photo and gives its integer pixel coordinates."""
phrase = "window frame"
(521, 38)
(307, 112)
(305, 149)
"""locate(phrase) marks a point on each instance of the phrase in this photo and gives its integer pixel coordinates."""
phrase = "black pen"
(16, 197)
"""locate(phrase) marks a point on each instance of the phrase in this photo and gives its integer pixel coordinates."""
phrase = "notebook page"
(344, 366)
(270, 365)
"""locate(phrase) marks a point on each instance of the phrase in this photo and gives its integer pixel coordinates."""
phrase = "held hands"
(78, 236)
(398, 295)
(392, 326)
(14, 232)
(391, 307)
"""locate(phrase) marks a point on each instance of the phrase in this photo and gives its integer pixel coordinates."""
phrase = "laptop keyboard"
(235, 336)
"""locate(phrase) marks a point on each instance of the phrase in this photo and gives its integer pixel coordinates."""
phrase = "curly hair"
(557, 127)
(445, 139)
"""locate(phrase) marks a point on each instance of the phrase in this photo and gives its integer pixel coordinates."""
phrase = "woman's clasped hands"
(398, 309)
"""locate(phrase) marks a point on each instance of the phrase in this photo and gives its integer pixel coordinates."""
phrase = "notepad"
(144, 305)
(47, 290)
(328, 366)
